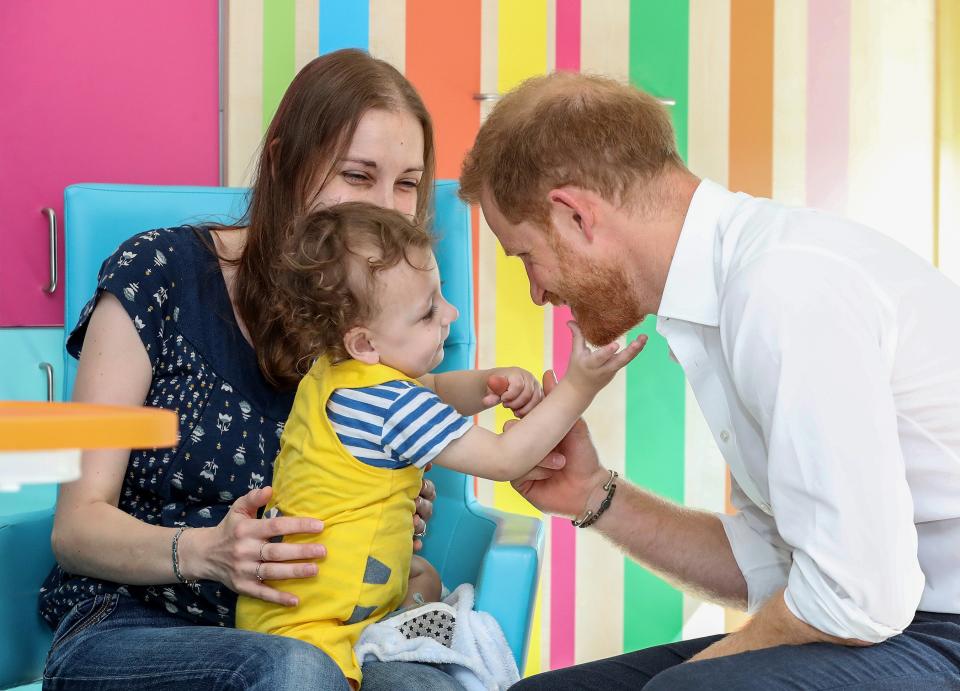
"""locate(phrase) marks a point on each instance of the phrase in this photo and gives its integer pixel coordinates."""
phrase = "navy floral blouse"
(230, 418)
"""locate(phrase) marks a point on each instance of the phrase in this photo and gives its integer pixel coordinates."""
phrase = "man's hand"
(515, 388)
(773, 625)
(563, 481)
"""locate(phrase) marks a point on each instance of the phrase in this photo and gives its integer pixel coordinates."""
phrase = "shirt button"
(724, 436)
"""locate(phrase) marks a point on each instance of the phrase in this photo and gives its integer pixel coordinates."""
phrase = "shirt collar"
(690, 292)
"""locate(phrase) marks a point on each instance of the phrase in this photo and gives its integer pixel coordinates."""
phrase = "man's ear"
(571, 211)
(360, 347)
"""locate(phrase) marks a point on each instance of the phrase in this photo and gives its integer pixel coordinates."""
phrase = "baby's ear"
(359, 347)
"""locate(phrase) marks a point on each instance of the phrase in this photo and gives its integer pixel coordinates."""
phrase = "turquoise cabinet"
(23, 374)
(24, 377)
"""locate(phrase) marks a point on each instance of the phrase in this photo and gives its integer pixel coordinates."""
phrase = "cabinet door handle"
(48, 369)
(52, 223)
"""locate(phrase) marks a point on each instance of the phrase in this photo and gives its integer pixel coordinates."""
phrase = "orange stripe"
(443, 62)
(751, 96)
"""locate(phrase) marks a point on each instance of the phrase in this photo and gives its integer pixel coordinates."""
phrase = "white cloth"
(480, 658)
(826, 359)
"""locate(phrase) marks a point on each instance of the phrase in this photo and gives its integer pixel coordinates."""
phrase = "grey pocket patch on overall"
(376, 573)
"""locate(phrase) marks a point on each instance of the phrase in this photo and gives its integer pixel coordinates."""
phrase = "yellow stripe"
(790, 101)
(891, 119)
(521, 53)
(388, 22)
(306, 32)
(521, 46)
(243, 92)
(947, 228)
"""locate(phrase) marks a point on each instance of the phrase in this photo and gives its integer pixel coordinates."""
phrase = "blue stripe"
(353, 423)
(356, 442)
(439, 417)
(378, 391)
(382, 463)
(362, 406)
(441, 439)
(400, 385)
(344, 24)
(409, 419)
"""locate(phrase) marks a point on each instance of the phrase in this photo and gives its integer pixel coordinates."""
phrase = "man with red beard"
(826, 360)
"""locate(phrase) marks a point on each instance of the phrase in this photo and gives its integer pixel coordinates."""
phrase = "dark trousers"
(925, 657)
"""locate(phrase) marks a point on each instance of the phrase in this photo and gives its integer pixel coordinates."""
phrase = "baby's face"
(414, 318)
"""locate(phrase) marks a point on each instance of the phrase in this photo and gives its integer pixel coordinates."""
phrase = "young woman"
(153, 546)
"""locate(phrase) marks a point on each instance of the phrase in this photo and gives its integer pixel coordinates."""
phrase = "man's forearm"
(774, 624)
(686, 547)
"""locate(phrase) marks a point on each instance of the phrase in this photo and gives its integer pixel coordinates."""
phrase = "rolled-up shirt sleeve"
(809, 342)
(762, 556)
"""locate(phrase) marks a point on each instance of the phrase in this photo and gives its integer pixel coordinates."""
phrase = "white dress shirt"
(826, 359)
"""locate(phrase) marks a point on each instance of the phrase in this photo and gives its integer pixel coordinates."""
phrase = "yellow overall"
(368, 524)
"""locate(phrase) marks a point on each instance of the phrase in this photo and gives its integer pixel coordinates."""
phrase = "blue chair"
(498, 552)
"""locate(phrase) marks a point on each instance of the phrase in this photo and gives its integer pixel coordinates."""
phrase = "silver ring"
(261, 550)
(259, 577)
(420, 535)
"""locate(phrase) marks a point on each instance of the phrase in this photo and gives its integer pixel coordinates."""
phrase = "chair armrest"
(25, 560)
(507, 585)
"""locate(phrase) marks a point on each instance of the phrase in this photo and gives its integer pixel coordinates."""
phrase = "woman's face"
(382, 166)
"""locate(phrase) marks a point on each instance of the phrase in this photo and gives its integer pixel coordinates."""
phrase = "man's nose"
(537, 293)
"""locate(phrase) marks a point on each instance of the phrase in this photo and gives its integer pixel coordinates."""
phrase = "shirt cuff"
(824, 605)
(764, 567)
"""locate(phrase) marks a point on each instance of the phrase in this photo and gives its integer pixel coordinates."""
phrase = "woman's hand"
(515, 388)
(239, 549)
(424, 506)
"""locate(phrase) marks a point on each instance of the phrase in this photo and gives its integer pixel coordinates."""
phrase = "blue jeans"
(116, 642)
(924, 657)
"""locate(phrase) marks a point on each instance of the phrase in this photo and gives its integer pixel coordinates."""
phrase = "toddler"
(362, 302)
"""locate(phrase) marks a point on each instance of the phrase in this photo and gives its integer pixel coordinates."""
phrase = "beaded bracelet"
(176, 557)
(590, 517)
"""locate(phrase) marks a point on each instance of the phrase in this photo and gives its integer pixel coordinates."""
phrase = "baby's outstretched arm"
(510, 455)
(472, 391)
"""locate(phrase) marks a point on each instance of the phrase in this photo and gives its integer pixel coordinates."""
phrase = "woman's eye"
(354, 178)
(409, 184)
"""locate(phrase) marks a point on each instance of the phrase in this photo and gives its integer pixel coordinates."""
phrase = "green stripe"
(279, 53)
(656, 392)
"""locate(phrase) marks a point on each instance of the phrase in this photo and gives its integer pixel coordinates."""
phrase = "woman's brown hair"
(311, 130)
(327, 277)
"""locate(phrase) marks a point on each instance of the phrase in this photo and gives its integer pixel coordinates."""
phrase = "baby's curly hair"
(326, 280)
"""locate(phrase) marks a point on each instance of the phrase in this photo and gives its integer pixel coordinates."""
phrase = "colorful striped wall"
(849, 105)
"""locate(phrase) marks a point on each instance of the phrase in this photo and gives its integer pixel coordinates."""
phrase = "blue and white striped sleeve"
(418, 426)
(357, 417)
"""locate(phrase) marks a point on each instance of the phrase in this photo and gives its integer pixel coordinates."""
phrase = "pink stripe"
(828, 103)
(563, 540)
(568, 35)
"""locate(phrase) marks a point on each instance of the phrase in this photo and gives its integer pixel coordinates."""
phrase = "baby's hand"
(515, 388)
(591, 370)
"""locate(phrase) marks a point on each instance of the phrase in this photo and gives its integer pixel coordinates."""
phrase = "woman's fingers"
(283, 525)
(280, 551)
(252, 501)
(279, 571)
(265, 592)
